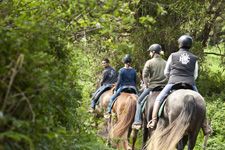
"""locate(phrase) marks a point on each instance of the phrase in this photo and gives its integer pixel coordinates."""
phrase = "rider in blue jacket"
(127, 78)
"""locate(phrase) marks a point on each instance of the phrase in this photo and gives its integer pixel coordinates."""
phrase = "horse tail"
(169, 137)
(126, 117)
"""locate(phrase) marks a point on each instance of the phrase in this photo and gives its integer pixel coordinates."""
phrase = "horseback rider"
(153, 76)
(181, 66)
(109, 77)
(127, 79)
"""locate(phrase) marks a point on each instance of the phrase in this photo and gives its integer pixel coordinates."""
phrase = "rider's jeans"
(138, 115)
(117, 94)
(166, 90)
(97, 91)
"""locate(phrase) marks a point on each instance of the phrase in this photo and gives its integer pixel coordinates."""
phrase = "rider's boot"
(152, 123)
(206, 128)
(107, 116)
(91, 110)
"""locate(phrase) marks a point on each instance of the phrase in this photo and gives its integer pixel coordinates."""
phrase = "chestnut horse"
(120, 124)
(103, 103)
(181, 120)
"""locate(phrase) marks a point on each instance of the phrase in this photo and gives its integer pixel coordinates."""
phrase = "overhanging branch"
(209, 53)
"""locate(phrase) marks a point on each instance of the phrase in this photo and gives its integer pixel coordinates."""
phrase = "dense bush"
(215, 109)
(50, 56)
(39, 89)
(210, 83)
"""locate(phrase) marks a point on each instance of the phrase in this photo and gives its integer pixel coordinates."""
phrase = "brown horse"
(103, 102)
(147, 116)
(120, 124)
(182, 118)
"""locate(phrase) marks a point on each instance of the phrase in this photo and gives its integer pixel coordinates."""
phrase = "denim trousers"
(117, 94)
(138, 115)
(166, 90)
(97, 91)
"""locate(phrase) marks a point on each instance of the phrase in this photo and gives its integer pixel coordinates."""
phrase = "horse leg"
(126, 141)
(191, 141)
(182, 143)
(95, 119)
(145, 134)
(109, 122)
(129, 133)
(134, 138)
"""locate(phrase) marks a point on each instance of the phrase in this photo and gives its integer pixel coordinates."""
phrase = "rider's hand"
(115, 93)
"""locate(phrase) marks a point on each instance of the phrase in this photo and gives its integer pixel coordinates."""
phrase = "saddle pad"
(144, 103)
(97, 102)
(113, 102)
(161, 108)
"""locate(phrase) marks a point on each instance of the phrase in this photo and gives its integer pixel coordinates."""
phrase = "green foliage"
(209, 83)
(40, 92)
(51, 53)
(216, 105)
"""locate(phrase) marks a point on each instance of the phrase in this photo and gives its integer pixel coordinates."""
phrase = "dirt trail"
(102, 131)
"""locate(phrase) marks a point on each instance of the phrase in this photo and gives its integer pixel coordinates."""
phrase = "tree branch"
(163, 5)
(28, 102)
(15, 70)
(209, 53)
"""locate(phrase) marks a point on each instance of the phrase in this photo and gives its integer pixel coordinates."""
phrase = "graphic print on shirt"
(111, 74)
(184, 58)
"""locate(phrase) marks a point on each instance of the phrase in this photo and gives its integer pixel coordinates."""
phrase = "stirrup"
(91, 110)
(136, 126)
(107, 116)
(149, 125)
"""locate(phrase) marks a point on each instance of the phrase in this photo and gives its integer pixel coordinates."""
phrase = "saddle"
(128, 90)
(125, 90)
(181, 85)
(175, 87)
(155, 89)
(100, 92)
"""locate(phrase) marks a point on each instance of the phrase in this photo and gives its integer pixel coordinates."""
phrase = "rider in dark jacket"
(109, 77)
(182, 66)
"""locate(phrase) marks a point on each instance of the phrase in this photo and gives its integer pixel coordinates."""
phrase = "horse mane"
(113, 87)
(167, 138)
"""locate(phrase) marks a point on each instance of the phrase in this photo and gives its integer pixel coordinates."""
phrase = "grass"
(214, 62)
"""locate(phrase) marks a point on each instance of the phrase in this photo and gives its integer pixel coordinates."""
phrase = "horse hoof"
(108, 143)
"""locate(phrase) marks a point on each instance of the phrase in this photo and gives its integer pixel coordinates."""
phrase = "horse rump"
(168, 137)
(124, 107)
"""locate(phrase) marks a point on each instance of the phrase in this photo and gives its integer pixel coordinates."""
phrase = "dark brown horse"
(147, 116)
(182, 118)
(123, 113)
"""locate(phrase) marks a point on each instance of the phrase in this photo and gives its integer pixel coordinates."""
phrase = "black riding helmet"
(185, 41)
(127, 59)
(155, 47)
